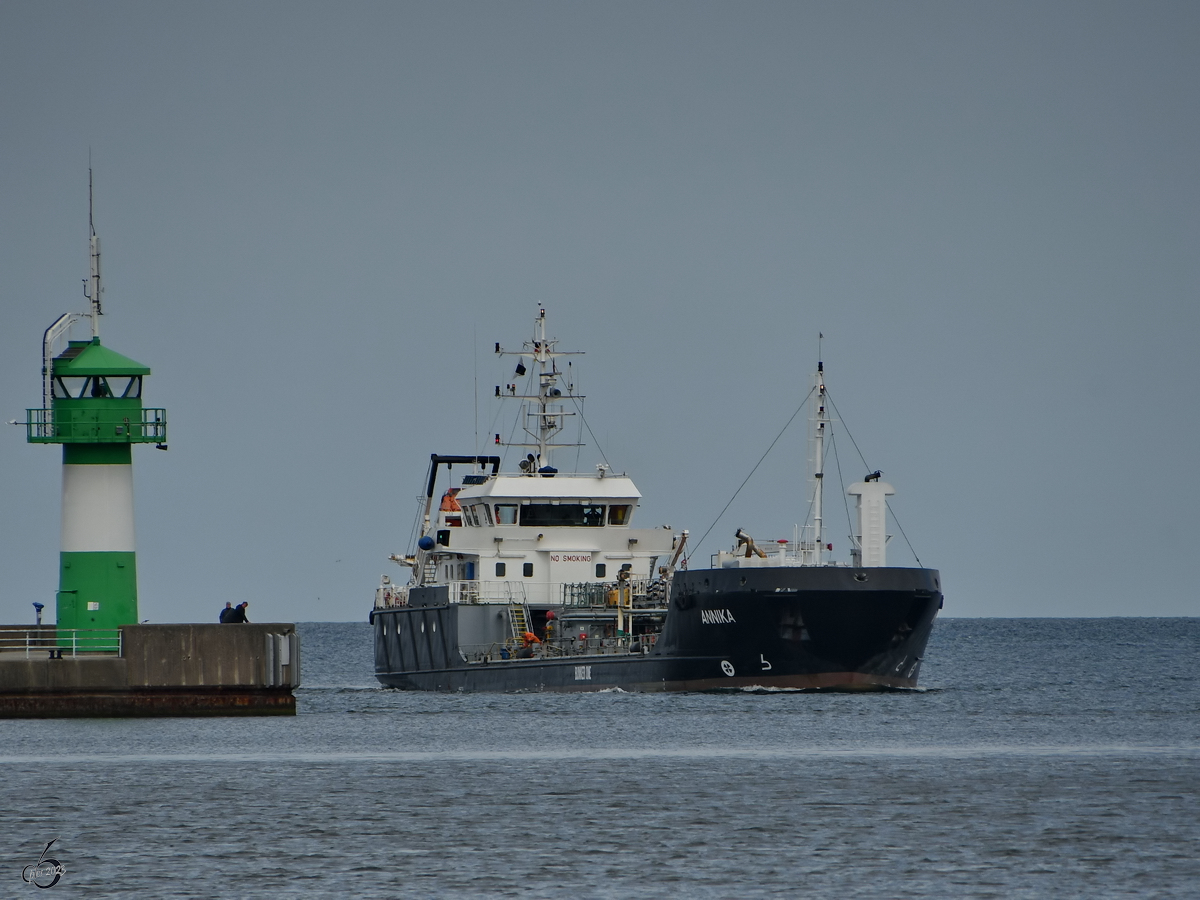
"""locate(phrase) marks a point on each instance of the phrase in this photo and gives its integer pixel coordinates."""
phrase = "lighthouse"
(92, 406)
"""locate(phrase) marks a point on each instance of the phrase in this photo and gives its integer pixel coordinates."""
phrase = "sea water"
(1044, 758)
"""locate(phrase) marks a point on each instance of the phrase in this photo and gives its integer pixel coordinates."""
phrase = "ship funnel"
(871, 540)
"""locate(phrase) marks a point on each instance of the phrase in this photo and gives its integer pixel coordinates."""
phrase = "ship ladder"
(519, 621)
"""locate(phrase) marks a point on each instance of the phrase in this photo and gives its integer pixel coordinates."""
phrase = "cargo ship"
(537, 580)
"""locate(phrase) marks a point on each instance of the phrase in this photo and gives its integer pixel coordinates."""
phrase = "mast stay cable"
(803, 403)
(841, 478)
(895, 518)
(584, 420)
(902, 534)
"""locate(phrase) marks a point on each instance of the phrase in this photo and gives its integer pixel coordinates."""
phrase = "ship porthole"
(743, 581)
(727, 667)
(860, 576)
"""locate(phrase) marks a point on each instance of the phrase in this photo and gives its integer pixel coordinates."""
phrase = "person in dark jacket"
(238, 613)
(226, 613)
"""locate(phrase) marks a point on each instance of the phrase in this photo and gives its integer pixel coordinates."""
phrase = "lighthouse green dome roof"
(90, 358)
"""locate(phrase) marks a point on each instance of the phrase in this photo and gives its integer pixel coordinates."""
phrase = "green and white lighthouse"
(92, 405)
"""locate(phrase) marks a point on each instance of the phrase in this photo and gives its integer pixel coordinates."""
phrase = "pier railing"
(37, 640)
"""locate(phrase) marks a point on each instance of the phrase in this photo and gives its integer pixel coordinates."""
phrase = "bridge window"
(542, 515)
(618, 514)
(506, 514)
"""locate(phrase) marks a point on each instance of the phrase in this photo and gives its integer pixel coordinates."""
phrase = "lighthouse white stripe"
(97, 509)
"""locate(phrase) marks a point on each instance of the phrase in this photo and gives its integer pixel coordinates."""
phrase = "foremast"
(820, 421)
(545, 413)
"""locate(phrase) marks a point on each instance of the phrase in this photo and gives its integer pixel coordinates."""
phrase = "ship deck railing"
(499, 592)
(502, 592)
(638, 593)
(609, 613)
(622, 645)
(635, 593)
(26, 642)
(801, 550)
(391, 596)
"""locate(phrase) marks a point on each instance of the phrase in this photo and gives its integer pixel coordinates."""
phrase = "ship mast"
(547, 425)
(544, 416)
(819, 463)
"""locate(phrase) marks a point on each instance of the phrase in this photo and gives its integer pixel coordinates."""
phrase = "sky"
(317, 219)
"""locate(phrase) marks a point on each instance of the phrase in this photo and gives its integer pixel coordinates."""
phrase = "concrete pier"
(149, 670)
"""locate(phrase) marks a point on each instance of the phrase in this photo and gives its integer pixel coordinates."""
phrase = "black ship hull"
(769, 628)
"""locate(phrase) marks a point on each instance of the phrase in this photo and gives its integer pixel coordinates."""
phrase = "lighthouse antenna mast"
(62, 325)
(92, 284)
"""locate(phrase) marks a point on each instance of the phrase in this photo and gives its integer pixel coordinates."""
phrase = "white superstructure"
(537, 536)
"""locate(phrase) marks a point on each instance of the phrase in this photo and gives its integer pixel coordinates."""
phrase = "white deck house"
(537, 537)
(520, 538)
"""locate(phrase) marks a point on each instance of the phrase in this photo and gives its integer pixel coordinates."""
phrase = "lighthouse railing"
(91, 426)
(39, 424)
